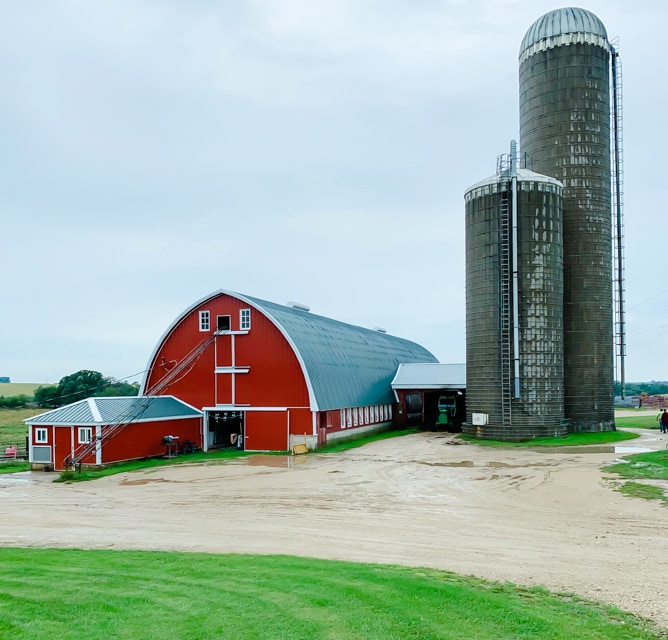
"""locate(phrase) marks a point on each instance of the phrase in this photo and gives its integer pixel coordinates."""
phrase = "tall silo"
(565, 129)
(514, 305)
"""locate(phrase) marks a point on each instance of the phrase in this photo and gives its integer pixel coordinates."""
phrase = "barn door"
(267, 431)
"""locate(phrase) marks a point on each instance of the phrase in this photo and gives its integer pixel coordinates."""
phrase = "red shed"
(100, 431)
(267, 375)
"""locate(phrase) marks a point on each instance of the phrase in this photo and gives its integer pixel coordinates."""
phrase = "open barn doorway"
(225, 430)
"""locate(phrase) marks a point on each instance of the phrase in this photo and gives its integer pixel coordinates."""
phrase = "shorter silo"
(514, 306)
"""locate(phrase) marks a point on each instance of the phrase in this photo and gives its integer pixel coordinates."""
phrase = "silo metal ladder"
(505, 330)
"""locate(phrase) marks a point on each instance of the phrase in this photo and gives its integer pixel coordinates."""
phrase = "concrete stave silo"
(565, 129)
(514, 306)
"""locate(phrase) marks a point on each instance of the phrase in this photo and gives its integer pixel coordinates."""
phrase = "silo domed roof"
(561, 21)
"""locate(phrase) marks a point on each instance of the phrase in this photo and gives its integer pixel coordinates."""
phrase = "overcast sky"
(154, 151)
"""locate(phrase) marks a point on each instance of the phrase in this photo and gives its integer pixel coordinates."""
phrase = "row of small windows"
(359, 416)
(224, 323)
(85, 435)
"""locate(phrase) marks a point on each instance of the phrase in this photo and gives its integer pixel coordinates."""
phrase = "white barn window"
(85, 435)
(355, 416)
(41, 435)
(343, 418)
(204, 320)
(244, 319)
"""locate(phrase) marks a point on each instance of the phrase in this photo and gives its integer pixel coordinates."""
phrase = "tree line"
(77, 386)
(653, 388)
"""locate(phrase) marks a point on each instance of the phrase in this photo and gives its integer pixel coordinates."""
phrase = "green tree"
(117, 388)
(80, 385)
(47, 396)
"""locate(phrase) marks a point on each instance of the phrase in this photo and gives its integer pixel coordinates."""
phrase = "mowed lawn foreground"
(68, 594)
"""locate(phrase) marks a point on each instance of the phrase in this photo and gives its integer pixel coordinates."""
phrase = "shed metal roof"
(430, 376)
(93, 411)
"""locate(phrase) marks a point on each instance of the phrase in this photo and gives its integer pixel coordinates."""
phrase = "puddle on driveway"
(603, 448)
(133, 483)
(278, 462)
(475, 463)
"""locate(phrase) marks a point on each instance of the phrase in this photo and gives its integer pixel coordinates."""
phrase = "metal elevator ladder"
(138, 409)
(505, 329)
(618, 213)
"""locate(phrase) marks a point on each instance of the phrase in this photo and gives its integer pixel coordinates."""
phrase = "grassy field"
(12, 428)
(9, 389)
(73, 594)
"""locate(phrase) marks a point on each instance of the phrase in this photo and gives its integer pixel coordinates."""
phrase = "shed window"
(41, 435)
(204, 320)
(223, 323)
(85, 435)
(41, 454)
(244, 319)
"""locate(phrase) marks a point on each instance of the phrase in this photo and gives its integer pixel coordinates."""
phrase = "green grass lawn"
(642, 466)
(81, 595)
(571, 440)
(641, 421)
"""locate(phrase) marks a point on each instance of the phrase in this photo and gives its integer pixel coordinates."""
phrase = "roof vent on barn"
(298, 305)
(380, 329)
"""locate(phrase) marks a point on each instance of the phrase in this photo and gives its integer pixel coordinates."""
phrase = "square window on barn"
(244, 319)
(85, 435)
(223, 323)
(41, 435)
(204, 320)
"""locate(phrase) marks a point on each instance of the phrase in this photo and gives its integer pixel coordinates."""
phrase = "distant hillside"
(10, 389)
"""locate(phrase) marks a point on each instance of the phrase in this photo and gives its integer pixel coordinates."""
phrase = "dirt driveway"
(529, 517)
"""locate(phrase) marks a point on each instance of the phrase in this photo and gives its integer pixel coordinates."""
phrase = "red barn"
(267, 376)
(84, 431)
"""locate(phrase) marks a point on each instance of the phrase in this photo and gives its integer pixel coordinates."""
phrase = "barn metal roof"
(430, 376)
(344, 365)
(94, 411)
(561, 22)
